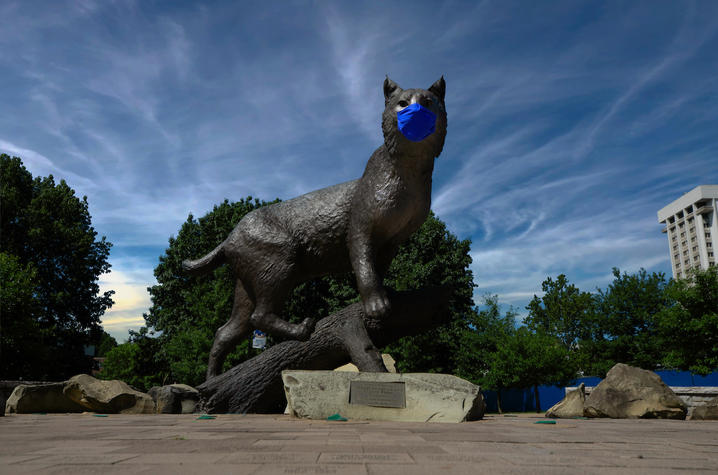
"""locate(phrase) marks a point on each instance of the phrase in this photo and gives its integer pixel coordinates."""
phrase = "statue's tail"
(205, 264)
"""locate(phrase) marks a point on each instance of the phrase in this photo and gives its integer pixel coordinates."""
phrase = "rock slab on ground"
(706, 412)
(629, 392)
(427, 397)
(570, 406)
(174, 399)
(107, 396)
(27, 399)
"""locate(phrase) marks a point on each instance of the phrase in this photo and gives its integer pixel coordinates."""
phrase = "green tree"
(497, 355)
(433, 256)
(486, 332)
(47, 234)
(561, 312)
(121, 363)
(624, 327)
(139, 362)
(525, 359)
(20, 347)
(105, 344)
(688, 325)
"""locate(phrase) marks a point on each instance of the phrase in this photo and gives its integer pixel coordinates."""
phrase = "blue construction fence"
(524, 400)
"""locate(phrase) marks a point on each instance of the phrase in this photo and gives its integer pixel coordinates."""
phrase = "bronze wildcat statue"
(357, 225)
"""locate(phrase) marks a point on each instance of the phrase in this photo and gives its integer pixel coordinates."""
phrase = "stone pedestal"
(412, 397)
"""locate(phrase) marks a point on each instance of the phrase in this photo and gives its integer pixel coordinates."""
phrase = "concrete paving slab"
(270, 458)
(80, 459)
(323, 469)
(269, 444)
(362, 458)
(14, 459)
(409, 448)
(70, 469)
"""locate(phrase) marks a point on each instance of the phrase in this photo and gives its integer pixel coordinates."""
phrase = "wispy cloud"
(37, 161)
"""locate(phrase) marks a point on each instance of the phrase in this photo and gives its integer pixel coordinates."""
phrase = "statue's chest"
(402, 204)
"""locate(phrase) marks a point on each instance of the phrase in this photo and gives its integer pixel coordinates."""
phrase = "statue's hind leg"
(231, 333)
(269, 305)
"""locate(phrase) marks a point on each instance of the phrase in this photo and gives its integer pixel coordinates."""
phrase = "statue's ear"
(438, 88)
(390, 88)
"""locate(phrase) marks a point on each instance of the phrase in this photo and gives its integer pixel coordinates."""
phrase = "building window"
(710, 254)
(676, 257)
(709, 244)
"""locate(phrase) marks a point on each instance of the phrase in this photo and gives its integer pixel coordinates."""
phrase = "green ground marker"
(545, 422)
(337, 417)
(99, 415)
(206, 416)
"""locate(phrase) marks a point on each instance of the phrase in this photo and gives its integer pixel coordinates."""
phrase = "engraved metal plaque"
(379, 394)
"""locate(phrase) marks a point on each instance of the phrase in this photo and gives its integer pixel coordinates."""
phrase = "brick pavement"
(266, 444)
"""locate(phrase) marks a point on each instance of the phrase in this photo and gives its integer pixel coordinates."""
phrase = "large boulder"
(107, 396)
(706, 412)
(174, 399)
(570, 406)
(629, 393)
(26, 399)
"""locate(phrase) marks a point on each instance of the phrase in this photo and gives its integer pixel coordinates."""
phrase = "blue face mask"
(416, 122)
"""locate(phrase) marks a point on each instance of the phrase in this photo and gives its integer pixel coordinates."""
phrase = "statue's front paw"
(377, 305)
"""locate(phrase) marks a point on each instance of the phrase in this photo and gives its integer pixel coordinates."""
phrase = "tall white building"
(691, 223)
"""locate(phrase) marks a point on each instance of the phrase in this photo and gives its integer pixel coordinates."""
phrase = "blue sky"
(570, 123)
